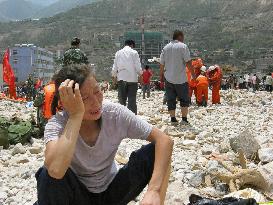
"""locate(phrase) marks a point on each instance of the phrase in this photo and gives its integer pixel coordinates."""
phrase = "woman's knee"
(43, 175)
(55, 191)
(49, 186)
(68, 190)
(142, 163)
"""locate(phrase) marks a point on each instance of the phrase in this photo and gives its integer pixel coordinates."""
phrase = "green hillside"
(244, 25)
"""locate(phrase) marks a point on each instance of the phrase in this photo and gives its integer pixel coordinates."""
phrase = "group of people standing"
(248, 81)
(25, 91)
(210, 77)
(181, 76)
(205, 78)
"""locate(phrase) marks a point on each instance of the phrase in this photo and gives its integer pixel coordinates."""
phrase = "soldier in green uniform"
(38, 103)
(30, 90)
(74, 55)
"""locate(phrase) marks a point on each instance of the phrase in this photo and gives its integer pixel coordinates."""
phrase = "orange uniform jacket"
(216, 77)
(202, 81)
(49, 91)
(202, 88)
(215, 81)
(192, 83)
(197, 64)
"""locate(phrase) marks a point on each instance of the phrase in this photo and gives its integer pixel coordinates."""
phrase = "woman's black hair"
(76, 72)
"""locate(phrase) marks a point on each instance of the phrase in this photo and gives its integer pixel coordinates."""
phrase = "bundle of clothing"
(198, 200)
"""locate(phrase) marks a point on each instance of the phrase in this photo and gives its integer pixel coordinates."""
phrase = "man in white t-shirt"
(174, 58)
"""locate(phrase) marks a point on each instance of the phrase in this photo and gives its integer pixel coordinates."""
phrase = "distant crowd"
(25, 91)
(249, 82)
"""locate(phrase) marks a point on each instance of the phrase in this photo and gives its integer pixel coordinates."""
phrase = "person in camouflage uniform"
(74, 55)
(38, 103)
(30, 90)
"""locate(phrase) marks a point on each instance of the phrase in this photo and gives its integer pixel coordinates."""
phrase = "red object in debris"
(8, 75)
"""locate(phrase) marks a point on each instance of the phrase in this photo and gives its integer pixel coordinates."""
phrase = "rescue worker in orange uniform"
(197, 64)
(49, 92)
(202, 88)
(215, 78)
(192, 83)
(43, 103)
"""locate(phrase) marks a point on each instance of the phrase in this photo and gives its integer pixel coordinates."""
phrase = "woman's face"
(92, 98)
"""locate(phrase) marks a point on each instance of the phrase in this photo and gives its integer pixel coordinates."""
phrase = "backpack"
(4, 141)
(20, 132)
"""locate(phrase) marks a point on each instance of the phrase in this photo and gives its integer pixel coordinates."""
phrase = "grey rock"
(247, 143)
(224, 147)
(206, 151)
(221, 188)
(26, 175)
(197, 179)
(266, 155)
(267, 173)
(213, 166)
(22, 160)
(18, 149)
(35, 150)
(190, 136)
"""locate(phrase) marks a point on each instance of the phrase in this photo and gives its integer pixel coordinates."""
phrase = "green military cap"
(75, 41)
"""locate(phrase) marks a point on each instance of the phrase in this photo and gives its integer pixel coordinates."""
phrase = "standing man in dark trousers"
(174, 58)
(127, 71)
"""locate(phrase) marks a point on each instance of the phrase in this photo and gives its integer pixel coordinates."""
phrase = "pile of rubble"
(228, 150)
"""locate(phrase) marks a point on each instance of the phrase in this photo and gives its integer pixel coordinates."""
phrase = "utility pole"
(142, 40)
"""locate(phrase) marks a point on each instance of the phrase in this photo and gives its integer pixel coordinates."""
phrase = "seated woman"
(81, 143)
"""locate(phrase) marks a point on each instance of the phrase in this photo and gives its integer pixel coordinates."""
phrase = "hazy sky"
(44, 2)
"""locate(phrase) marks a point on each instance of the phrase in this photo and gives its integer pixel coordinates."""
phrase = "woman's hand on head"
(71, 100)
